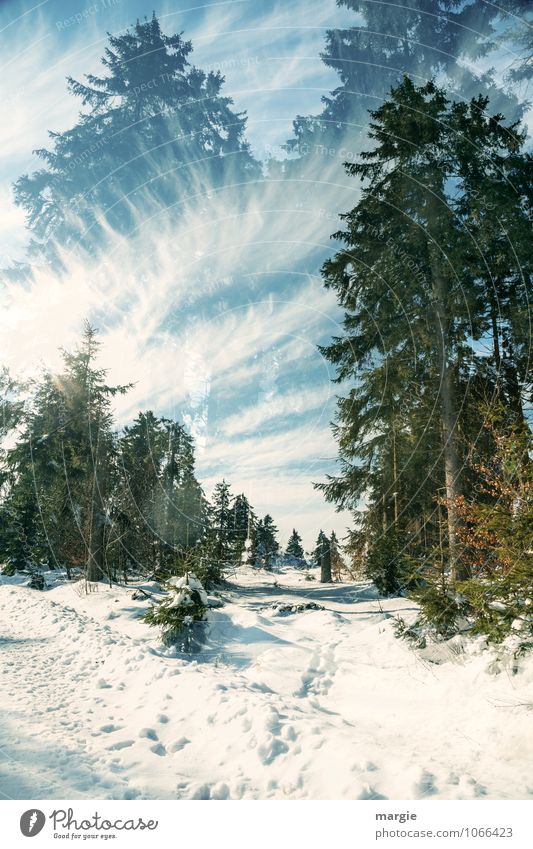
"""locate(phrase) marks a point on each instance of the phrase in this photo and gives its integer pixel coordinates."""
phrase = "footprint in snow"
(288, 733)
(158, 749)
(179, 744)
(123, 744)
(220, 791)
(425, 786)
(270, 749)
(202, 792)
(149, 733)
(368, 793)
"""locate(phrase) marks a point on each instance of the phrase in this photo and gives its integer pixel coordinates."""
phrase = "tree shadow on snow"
(337, 593)
(225, 640)
(31, 769)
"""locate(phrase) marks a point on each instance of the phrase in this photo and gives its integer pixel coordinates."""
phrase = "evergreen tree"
(154, 131)
(517, 38)
(321, 546)
(242, 526)
(337, 562)
(413, 288)
(222, 524)
(140, 461)
(180, 507)
(160, 507)
(59, 494)
(497, 533)
(420, 39)
(294, 546)
(177, 614)
(265, 544)
(269, 540)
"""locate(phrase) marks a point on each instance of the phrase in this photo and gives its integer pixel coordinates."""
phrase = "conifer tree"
(160, 506)
(321, 545)
(419, 39)
(153, 131)
(265, 544)
(60, 469)
(242, 526)
(413, 289)
(294, 546)
(222, 524)
(337, 562)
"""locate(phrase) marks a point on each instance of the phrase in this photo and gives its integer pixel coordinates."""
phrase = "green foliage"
(294, 546)
(388, 565)
(264, 543)
(104, 175)
(424, 40)
(338, 566)
(185, 604)
(497, 533)
(321, 548)
(427, 270)
(78, 496)
(441, 608)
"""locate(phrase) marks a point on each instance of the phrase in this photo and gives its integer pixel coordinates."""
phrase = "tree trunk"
(96, 552)
(95, 559)
(395, 478)
(452, 467)
(325, 566)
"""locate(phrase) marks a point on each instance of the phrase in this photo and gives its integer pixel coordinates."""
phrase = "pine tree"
(418, 39)
(337, 562)
(88, 401)
(414, 294)
(294, 546)
(60, 470)
(242, 526)
(269, 540)
(154, 130)
(177, 614)
(222, 524)
(265, 545)
(141, 449)
(497, 532)
(160, 511)
(321, 545)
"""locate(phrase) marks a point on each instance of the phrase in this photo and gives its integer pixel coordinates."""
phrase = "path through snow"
(319, 704)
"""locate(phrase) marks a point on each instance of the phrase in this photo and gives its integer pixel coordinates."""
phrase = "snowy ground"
(317, 705)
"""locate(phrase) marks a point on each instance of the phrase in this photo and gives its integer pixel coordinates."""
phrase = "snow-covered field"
(322, 704)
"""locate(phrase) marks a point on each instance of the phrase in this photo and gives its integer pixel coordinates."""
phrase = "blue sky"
(243, 369)
(224, 335)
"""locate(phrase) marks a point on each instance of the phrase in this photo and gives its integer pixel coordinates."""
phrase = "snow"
(316, 704)
(185, 585)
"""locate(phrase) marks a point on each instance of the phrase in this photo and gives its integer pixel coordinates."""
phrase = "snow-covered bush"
(186, 603)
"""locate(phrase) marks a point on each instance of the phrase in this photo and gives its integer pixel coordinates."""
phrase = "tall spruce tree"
(423, 39)
(413, 283)
(294, 546)
(154, 131)
(321, 545)
(160, 506)
(337, 562)
(222, 524)
(265, 545)
(242, 526)
(59, 497)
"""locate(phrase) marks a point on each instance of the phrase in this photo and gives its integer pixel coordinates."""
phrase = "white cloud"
(293, 404)
(195, 309)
